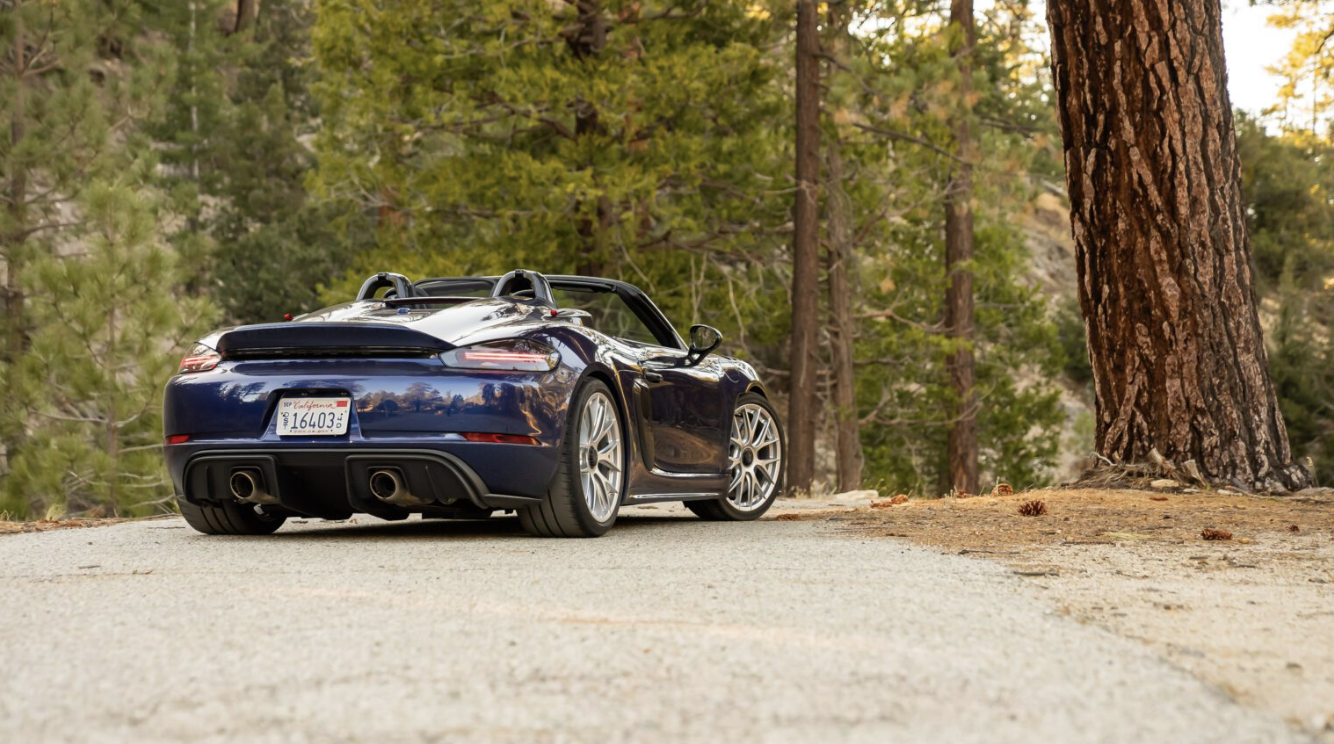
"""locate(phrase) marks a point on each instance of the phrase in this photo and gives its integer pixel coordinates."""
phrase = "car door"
(682, 419)
(687, 413)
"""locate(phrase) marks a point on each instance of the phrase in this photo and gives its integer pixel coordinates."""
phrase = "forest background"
(173, 165)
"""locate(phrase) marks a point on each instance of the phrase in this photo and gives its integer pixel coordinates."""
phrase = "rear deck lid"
(305, 340)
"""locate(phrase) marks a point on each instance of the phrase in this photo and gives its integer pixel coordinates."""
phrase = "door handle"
(652, 376)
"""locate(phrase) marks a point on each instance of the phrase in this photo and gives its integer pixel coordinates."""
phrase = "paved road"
(667, 629)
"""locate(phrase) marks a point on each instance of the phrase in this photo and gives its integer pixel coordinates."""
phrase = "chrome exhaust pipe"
(245, 487)
(388, 486)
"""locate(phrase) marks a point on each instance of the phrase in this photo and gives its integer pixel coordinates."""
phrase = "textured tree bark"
(15, 333)
(1165, 280)
(839, 262)
(246, 12)
(802, 411)
(842, 331)
(588, 39)
(962, 446)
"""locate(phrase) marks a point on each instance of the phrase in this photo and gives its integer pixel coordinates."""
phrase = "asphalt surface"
(667, 629)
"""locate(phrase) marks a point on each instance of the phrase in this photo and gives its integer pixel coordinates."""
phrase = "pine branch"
(914, 140)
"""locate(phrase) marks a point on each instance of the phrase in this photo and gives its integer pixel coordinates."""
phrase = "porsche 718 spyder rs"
(562, 398)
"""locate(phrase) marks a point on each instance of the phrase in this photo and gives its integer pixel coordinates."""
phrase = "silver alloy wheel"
(755, 457)
(600, 456)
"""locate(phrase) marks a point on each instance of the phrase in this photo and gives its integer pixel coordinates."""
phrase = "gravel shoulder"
(1252, 615)
(667, 629)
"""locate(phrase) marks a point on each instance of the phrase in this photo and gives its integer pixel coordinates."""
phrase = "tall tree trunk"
(839, 268)
(15, 330)
(587, 40)
(802, 411)
(194, 106)
(1165, 279)
(962, 447)
(246, 12)
(18, 197)
(112, 428)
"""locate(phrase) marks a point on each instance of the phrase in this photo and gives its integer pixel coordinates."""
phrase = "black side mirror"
(703, 339)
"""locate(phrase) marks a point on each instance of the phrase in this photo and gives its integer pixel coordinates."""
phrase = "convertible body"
(457, 397)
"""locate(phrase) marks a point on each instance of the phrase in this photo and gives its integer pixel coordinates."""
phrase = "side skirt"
(657, 497)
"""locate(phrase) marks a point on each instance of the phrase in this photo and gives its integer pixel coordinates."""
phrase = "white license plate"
(313, 417)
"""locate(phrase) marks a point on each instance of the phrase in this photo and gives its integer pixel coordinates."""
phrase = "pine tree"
(236, 163)
(1163, 248)
(74, 82)
(841, 255)
(107, 324)
(897, 126)
(91, 317)
(628, 138)
(962, 454)
(189, 135)
(1287, 181)
(802, 395)
(1306, 98)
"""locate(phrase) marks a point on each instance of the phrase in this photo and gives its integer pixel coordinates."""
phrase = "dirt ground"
(42, 525)
(1253, 615)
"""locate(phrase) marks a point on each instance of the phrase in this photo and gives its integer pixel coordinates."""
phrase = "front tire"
(585, 495)
(755, 452)
(229, 519)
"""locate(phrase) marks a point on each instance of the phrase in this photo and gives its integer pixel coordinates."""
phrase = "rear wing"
(306, 340)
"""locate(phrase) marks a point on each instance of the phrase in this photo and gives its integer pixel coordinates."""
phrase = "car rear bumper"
(332, 481)
(391, 400)
(414, 415)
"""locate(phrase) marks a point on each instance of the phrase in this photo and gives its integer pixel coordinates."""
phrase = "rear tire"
(229, 519)
(736, 506)
(566, 511)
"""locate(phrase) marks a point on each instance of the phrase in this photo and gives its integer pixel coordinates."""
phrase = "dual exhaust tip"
(386, 484)
(247, 486)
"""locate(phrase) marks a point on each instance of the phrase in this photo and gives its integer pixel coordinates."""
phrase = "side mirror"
(703, 339)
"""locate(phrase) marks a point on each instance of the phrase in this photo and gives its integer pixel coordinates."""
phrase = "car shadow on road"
(499, 527)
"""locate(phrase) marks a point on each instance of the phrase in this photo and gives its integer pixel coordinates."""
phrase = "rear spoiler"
(286, 340)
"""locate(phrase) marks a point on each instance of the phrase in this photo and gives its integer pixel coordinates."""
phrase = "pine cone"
(1033, 508)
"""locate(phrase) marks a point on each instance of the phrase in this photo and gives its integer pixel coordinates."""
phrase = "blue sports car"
(561, 398)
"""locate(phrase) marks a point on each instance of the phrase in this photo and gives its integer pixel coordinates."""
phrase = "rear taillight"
(177, 439)
(200, 359)
(515, 355)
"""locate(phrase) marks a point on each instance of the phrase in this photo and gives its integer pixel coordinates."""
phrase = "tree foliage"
(174, 165)
(106, 328)
(1306, 95)
(1290, 193)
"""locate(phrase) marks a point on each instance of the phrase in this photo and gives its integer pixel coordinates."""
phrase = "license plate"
(313, 417)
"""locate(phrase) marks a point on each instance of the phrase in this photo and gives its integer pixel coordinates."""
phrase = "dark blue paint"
(676, 415)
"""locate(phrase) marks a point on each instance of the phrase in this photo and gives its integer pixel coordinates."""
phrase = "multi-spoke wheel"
(755, 461)
(600, 456)
(590, 482)
(754, 456)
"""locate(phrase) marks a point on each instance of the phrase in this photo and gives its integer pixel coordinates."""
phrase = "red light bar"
(510, 355)
(177, 439)
(473, 436)
(200, 359)
(517, 357)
